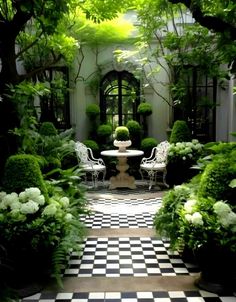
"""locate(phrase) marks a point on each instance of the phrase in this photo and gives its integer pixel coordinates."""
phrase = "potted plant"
(122, 138)
(208, 227)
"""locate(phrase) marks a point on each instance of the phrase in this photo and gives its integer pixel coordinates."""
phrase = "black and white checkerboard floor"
(132, 213)
(134, 256)
(126, 256)
(156, 296)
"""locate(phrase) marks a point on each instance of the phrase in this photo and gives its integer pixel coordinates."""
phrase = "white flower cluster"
(57, 205)
(27, 202)
(192, 216)
(185, 149)
(226, 216)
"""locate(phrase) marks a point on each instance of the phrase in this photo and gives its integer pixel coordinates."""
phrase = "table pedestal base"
(122, 179)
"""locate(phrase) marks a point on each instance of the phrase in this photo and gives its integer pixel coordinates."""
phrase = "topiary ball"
(122, 133)
(215, 180)
(148, 143)
(144, 109)
(92, 111)
(180, 132)
(134, 128)
(21, 172)
(91, 144)
(104, 130)
(48, 129)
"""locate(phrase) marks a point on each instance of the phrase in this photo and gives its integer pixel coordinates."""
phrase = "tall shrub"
(21, 172)
(180, 132)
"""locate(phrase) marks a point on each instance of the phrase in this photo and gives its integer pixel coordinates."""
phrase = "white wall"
(226, 113)
(81, 94)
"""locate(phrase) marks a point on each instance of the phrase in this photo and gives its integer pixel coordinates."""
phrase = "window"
(119, 98)
(55, 106)
(198, 106)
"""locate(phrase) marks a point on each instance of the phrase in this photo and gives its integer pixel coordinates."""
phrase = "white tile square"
(195, 299)
(113, 265)
(176, 294)
(180, 270)
(62, 296)
(99, 271)
(165, 265)
(71, 271)
(97, 295)
(144, 295)
(33, 297)
(152, 270)
(112, 295)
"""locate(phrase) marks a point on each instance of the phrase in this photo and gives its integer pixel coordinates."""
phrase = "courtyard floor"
(123, 259)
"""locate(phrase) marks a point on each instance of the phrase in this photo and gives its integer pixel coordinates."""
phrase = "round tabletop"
(127, 153)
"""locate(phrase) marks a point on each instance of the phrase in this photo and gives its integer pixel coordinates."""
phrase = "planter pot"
(122, 145)
(218, 269)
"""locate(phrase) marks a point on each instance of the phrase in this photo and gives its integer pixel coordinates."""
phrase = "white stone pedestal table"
(122, 179)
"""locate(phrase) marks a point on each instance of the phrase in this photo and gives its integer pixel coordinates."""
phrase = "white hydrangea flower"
(33, 192)
(195, 141)
(8, 200)
(23, 197)
(65, 201)
(29, 207)
(221, 208)
(228, 220)
(68, 217)
(50, 210)
(189, 204)
(232, 218)
(188, 217)
(16, 205)
(40, 200)
(2, 194)
(197, 219)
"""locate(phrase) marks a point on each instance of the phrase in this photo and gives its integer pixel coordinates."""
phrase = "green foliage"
(166, 220)
(180, 132)
(91, 144)
(48, 129)
(92, 111)
(134, 128)
(36, 231)
(104, 130)
(147, 144)
(185, 152)
(144, 109)
(216, 178)
(135, 131)
(22, 171)
(122, 133)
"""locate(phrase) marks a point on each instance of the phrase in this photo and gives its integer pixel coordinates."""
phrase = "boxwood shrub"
(180, 132)
(21, 172)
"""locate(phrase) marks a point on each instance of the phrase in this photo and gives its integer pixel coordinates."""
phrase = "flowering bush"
(185, 151)
(205, 220)
(31, 225)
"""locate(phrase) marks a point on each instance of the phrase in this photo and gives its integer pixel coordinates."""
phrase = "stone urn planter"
(122, 138)
(122, 145)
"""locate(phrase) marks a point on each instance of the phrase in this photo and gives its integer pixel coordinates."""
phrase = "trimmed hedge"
(180, 132)
(21, 172)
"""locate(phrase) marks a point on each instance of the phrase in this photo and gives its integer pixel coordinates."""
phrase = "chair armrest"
(93, 159)
(150, 158)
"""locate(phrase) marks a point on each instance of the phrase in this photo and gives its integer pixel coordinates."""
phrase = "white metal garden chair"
(155, 163)
(89, 164)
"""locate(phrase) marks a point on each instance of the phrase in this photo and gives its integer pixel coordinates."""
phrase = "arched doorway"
(119, 98)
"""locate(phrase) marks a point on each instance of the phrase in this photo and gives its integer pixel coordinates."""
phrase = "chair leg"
(152, 176)
(164, 178)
